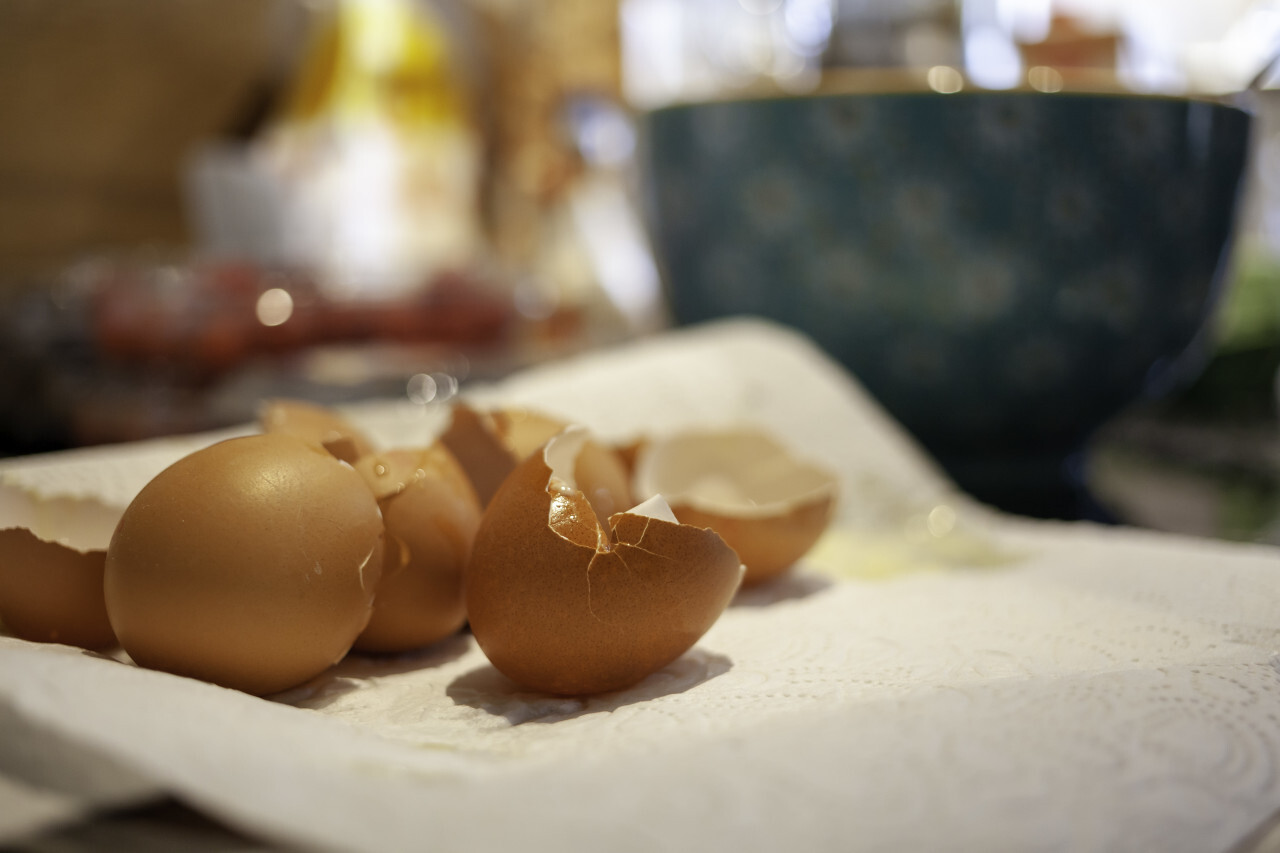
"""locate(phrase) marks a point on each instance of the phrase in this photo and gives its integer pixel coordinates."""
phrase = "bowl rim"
(925, 82)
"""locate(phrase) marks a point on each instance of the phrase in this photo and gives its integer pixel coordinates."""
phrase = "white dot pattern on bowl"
(924, 240)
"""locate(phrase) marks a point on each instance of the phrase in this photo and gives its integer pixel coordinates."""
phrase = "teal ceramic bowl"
(1004, 271)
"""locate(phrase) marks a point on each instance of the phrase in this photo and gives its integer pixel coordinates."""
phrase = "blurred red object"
(208, 318)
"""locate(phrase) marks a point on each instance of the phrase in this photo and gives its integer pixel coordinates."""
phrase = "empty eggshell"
(628, 452)
(490, 444)
(475, 439)
(526, 431)
(251, 563)
(768, 505)
(561, 603)
(50, 593)
(431, 514)
(315, 424)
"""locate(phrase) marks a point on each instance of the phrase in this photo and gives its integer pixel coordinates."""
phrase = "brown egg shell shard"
(525, 431)
(560, 605)
(431, 513)
(315, 424)
(251, 563)
(769, 506)
(771, 545)
(50, 593)
(475, 441)
(490, 444)
(629, 452)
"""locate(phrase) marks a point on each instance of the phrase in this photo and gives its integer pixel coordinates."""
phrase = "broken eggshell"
(431, 514)
(489, 444)
(251, 563)
(317, 425)
(475, 439)
(768, 505)
(562, 603)
(51, 593)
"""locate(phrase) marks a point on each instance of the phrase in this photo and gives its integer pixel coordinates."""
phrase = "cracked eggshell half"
(431, 514)
(475, 439)
(564, 603)
(52, 593)
(251, 563)
(768, 505)
(489, 444)
(315, 424)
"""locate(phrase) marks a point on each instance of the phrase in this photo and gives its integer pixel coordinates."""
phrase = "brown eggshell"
(315, 424)
(601, 475)
(629, 452)
(525, 431)
(489, 445)
(251, 563)
(561, 604)
(475, 440)
(50, 593)
(767, 505)
(431, 512)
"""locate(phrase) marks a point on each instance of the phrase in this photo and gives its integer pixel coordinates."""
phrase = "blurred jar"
(369, 172)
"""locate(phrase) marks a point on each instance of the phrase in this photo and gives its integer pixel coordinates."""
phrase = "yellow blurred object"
(379, 154)
(378, 59)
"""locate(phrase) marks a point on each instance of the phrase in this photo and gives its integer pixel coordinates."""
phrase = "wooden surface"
(101, 101)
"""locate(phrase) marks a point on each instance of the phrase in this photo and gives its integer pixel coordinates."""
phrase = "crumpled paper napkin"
(933, 676)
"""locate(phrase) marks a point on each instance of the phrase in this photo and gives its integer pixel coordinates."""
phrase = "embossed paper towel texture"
(1095, 689)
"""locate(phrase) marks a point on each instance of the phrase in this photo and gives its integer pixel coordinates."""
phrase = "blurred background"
(205, 203)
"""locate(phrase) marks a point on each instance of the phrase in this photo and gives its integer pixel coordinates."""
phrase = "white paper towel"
(935, 676)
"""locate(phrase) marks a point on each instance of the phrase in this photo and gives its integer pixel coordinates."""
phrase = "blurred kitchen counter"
(123, 349)
(1205, 461)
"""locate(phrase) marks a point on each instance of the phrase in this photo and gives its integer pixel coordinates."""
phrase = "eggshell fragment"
(560, 603)
(526, 431)
(251, 563)
(490, 444)
(50, 593)
(475, 440)
(316, 424)
(768, 505)
(431, 515)
(628, 452)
